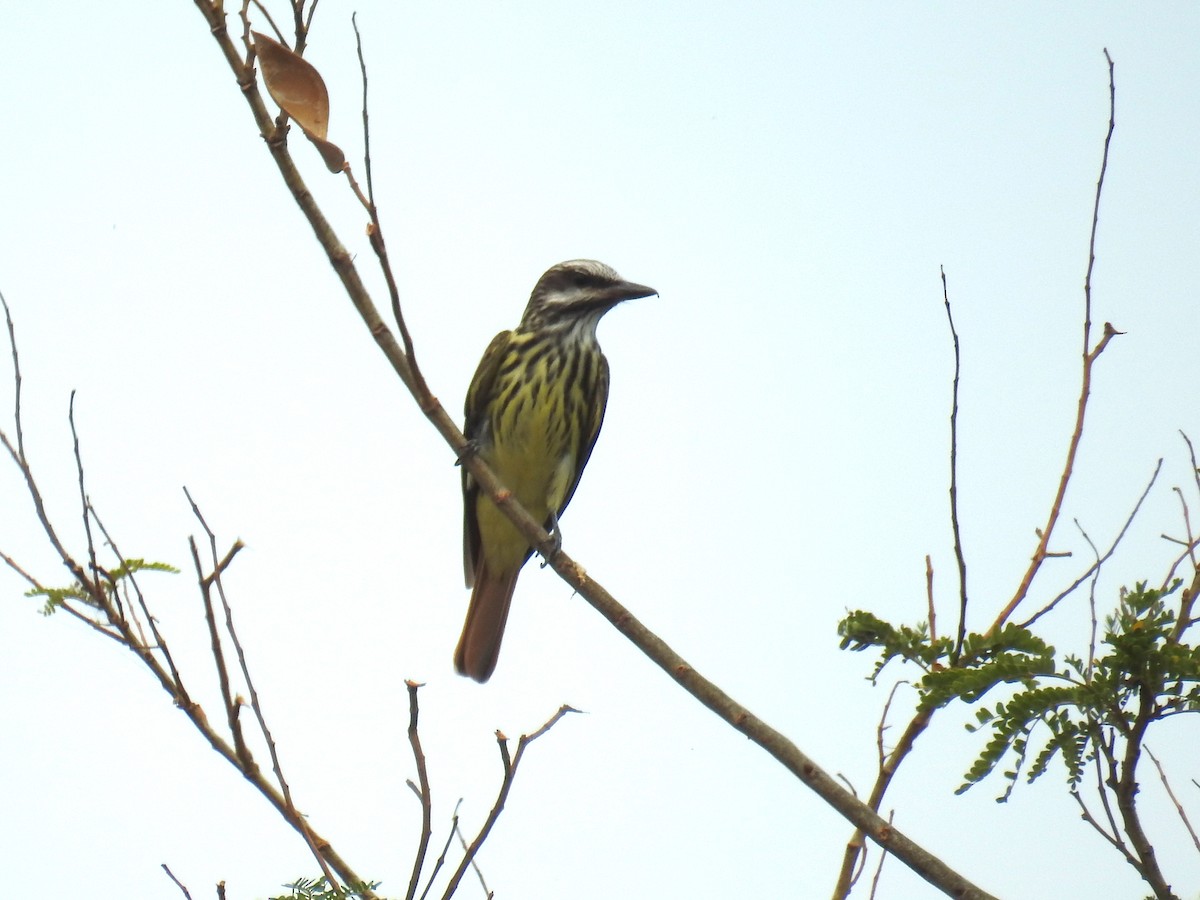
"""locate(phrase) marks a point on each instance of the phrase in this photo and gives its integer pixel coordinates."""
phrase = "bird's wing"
(476, 427)
(585, 450)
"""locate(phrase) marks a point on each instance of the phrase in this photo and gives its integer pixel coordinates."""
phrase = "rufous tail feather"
(479, 646)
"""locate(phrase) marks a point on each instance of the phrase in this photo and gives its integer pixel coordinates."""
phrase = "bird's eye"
(585, 280)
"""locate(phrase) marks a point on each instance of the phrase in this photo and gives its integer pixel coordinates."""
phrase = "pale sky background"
(790, 177)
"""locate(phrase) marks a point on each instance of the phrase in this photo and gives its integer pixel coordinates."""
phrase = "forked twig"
(1112, 547)
(510, 763)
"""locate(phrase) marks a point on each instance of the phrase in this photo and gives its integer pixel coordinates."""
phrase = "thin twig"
(1107, 755)
(1187, 599)
(1187, 527)
(887, 770)
(12, 564)
(83, 498)
(854, 859)
(423, 793)
(17, 452)
(462, 841)
(510, 764)
(1192, 456)
(267, 14)
(1091, 601)
(316, 845)
(954, 524)
(879, 868)
(1090, 355)
(312, 11)
(120, 638)
(16, 362)
(882, 728)
(1105, 556)
(441, 860)
(245, 759)
(1086, 815)
(929, 599)
(1170, 793)
(178, 883)
(160, 642)
(375, 234)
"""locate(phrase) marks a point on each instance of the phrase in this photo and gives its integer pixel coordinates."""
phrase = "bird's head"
(576, 291)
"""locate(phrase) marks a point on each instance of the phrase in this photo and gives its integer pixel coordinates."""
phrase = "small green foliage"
(1144, 672)
(1012, 654)
(320, 889)
(56, 597)
(133, 566)
(111, 583)
(862, 629)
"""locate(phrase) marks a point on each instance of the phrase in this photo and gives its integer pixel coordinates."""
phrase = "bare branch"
(1090, 356)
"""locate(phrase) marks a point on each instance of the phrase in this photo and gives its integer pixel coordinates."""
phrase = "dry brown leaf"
(294, 84)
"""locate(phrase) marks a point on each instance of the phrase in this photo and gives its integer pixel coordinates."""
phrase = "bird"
(532, 413)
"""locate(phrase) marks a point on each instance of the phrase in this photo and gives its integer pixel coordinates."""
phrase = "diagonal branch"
(706, 692)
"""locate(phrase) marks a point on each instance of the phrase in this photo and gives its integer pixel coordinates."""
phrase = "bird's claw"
(555, 539)
(470, 448)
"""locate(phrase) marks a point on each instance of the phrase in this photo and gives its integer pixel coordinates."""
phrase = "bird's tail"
(479, 646)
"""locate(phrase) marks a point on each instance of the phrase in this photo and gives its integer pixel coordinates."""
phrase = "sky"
(790, 177)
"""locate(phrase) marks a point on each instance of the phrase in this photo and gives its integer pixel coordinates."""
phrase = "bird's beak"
(627, 290)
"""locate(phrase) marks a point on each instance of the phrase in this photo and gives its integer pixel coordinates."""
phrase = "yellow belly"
(535, 454)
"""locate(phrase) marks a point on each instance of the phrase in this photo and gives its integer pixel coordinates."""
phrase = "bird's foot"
(470, 448)
(555, 531)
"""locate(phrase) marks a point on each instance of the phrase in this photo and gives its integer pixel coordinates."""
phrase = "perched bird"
(533, 412)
